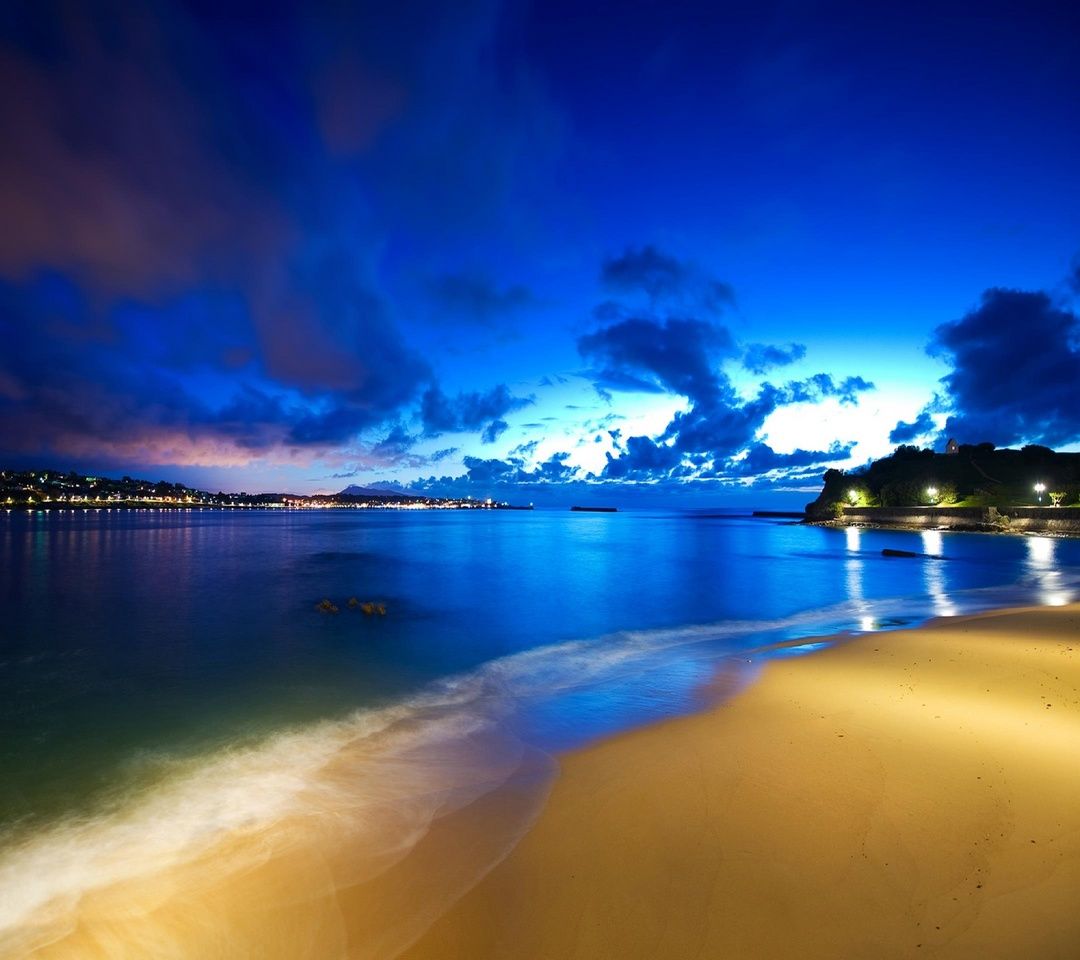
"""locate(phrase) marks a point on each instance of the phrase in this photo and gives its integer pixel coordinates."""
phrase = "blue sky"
(689, 252)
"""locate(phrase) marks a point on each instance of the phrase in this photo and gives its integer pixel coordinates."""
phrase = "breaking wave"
(297, 846)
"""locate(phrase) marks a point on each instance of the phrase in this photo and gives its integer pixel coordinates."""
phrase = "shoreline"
(906, 793)
(1038, 521)
(894, 793)
(956, 528)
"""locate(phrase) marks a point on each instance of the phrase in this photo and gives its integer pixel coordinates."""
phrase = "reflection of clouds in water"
(933, 543)
(1041, 563)
(854, 566)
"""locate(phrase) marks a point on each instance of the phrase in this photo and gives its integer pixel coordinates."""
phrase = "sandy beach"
(904, 794)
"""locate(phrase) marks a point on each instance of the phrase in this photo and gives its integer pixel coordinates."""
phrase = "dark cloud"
(761, 459)
(685, 356)
(501, 479)
(126, 381)
(467, 411)
(477, 299)
(662, 277)
(673, 355)
(821, 386)
(71, 381)
(905, 432)
(550, 381)
(643, 459)
(1073, 279)
(644, 269)
(493, 431)
(1015, 374)
(397, 442)
(130, 159)
(760, 358)
(218, 191)
(526, 449)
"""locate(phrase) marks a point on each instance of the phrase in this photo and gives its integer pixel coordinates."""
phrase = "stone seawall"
(1058, 520)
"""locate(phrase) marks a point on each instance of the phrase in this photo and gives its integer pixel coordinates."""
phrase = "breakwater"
(1057, 520)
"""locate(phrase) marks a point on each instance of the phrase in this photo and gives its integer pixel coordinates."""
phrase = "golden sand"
(907, 794)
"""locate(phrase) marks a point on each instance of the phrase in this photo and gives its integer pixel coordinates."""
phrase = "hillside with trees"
(979, 475)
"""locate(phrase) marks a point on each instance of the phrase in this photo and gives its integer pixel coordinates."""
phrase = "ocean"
(190, 746)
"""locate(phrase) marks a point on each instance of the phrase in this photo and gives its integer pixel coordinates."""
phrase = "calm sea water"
(138, 646)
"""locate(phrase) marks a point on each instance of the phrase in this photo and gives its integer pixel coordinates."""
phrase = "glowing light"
(1041, 561)
(1039, 488)
(934, 575)
(1041, 552)
(933, 542)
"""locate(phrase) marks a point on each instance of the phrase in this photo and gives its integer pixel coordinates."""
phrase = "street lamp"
(853, 496)
(931, 494)
(1039, 488)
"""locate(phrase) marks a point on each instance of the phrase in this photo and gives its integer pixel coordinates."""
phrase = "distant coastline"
(53, 490)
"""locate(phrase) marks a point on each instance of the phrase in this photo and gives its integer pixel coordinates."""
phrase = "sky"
(685, 253)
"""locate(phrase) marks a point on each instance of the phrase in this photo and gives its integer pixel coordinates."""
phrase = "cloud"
(673, 355)
(905, 432)
(215, 200)
(525, 450)
(467, 411)
(127, 160)
(1015, 374)
(761, 459)
(396, 443)
(661, 276)
(476, 299)
(503, 479)
(685, 356)
(124, 383)
(1073, 279)
(822, 386)
(642, 459)
(760, 358)
(493, 431)
(71, 382)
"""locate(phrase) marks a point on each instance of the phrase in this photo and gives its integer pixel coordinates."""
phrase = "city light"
(1039, 488)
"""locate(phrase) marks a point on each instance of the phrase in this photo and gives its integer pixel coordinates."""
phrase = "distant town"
(53, 489)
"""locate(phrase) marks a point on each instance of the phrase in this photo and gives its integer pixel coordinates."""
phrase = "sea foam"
(281, 848)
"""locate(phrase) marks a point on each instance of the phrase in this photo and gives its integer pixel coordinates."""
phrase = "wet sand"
(906, 794)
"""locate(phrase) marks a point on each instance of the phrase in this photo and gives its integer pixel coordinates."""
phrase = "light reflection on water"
(134, 644)
(130, 635)
(933, 545)
(853, 564)
(1041, 563)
